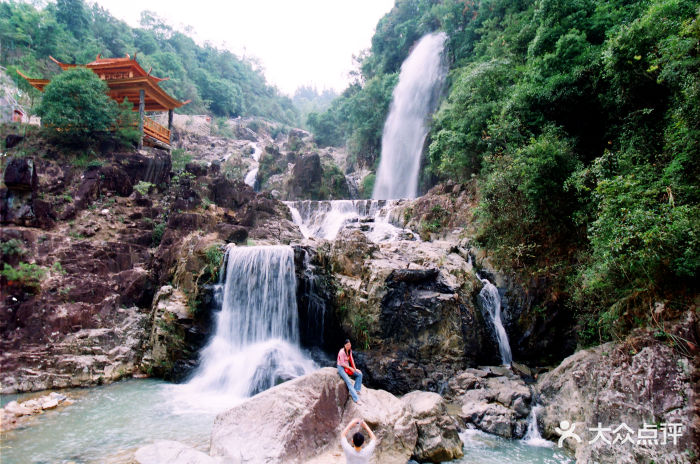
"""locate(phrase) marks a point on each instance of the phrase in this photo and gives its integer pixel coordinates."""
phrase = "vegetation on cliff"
(215, 80)
(580, 123)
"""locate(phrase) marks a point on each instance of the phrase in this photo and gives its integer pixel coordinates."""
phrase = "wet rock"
(438, 439)
(197, 169)
(640, 381)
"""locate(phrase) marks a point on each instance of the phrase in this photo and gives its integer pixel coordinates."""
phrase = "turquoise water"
(482, 448)
(107, 424)
(104, 425)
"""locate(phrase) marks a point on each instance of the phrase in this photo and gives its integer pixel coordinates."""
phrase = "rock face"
(492, 399)
(641, 381)
(409, 308)
(306, 177)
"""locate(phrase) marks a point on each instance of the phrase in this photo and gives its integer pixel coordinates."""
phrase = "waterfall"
(491, 301)
(414, 98)
(532, 436)
(256, 343)
(252, 174)
(325, 219)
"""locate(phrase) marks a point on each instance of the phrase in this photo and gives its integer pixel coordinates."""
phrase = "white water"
(256, 344)
(325, 219)
(420, 81)
(250, 177)
(532, 436)
(491, 301)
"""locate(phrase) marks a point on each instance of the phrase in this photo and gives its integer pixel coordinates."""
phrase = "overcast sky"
(298, 42)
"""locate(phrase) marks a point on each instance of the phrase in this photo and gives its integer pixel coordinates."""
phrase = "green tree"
(75, 107)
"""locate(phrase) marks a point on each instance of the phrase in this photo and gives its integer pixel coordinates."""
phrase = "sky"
(297, 42)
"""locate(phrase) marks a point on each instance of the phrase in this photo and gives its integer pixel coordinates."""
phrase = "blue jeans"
(358, 382)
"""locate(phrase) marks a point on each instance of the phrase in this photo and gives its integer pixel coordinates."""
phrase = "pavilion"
(127, 79)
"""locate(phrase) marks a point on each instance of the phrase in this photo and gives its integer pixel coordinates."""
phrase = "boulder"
(300, 421)
(438, 439)
(20, 174)
(637, 382)
(288, 423)
(172, 452)
(306, 177)
(496, 404)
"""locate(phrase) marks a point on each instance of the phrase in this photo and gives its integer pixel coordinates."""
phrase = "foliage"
(179, 159)
(157, 234)
(214, 258)
(12, 246)
(143, 187)
(28, 274)
(73, 31)
(75, 107)
(367, 185)
(580, 122)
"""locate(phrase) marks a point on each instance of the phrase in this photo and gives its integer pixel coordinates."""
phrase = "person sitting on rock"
(356, 454)
(346, 368)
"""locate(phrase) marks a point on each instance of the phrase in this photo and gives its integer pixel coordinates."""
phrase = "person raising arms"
(355, 453)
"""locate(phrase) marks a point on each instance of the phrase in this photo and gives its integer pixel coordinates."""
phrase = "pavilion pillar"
(142, 107)
(170, 120)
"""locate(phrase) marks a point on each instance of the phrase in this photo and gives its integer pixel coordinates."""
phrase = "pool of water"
(107, 424)
(483, 448)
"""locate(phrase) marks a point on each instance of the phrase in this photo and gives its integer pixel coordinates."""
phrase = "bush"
(28, 275)
(75, 107)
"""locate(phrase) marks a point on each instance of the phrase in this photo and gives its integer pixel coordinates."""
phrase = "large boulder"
(300, 421)
(438, 439)
(492, 399)
(637, 382)
(306, 177)
(20, 174)
(287, 423)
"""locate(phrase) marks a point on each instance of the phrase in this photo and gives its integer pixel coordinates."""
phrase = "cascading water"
(414, 98)
(252, 174)
(491, 301)
(256, 344)
(325, 219)
(532, 436)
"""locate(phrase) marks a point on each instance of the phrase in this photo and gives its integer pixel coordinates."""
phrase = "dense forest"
(216, 81)
(579, 123)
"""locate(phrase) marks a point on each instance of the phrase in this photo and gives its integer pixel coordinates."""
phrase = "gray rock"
(438, 439)
(636, 382)
(300, 421)
(498, 405)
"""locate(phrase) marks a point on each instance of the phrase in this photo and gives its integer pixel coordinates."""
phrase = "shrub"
(29, 275)
(75, 107)
(143, 187)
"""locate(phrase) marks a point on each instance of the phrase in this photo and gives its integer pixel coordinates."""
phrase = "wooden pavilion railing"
(155, 130)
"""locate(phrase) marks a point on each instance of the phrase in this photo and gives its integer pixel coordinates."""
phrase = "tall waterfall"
(491, 301)
(414, 98)
(256, 344)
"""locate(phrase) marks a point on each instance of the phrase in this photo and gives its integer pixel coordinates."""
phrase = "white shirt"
(352, 456)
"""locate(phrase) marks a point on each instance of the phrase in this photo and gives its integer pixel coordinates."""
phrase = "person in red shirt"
(346, 368)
